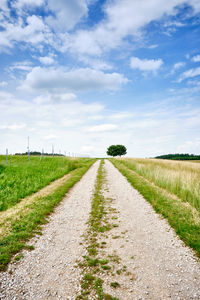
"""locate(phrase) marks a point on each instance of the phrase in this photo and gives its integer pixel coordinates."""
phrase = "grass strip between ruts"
(28, 225)
(179, 216)
(93, 265)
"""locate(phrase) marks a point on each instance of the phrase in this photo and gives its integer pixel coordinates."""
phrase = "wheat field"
(182, 178)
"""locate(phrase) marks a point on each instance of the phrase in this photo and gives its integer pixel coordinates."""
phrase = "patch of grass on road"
(93, 265)
(182, 216)
(29, 224)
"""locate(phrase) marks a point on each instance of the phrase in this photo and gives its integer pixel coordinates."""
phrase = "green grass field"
(22, 178)
(21, 220)
(172, 188)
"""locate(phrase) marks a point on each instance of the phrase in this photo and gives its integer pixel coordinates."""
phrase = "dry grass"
(177, 177)
(172, 188)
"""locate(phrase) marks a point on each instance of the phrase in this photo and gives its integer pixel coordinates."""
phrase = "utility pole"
(7, 156)
(52, 150)
(41, 154)
(28, 150)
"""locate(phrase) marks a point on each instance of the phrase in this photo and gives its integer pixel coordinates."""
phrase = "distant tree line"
(39, 153)
(179, 156)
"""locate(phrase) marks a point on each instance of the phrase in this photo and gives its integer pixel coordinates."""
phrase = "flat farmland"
(21, 178)
(121, 232)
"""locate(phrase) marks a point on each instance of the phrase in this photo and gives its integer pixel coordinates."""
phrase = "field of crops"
(173, 189)
(180, 178)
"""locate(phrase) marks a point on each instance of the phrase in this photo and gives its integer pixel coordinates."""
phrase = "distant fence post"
(6, 156)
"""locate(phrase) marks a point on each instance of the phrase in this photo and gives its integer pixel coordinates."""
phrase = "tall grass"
(160, 182)
(22, 178)
(180, 178)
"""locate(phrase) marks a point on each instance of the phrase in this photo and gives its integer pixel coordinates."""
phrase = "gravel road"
(48, 272)
(158, 262)
(163, 267)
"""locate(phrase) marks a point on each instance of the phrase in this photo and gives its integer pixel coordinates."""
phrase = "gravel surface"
(159, 264)
(49, 272)
(156, 264)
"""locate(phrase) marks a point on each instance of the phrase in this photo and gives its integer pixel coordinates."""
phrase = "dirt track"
(161, 266)
(48, 272)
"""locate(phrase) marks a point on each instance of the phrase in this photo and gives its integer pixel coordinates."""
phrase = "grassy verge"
(181, 216)
(29, 224)
(93, 264)
(21, 178)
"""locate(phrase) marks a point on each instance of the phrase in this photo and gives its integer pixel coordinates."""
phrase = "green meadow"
(21, 178)
(21, 219)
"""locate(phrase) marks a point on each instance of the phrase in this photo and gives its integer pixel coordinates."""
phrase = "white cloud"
(95, 63)
(67, 13)
(145, 64)
(4, 4)
(12, 126)
(191, 146)
(32, 30)
(48, 79)
(121, 116)
(86, 149)
(5, 97)
(96, 117)
(143, 124)
(195, 4)
(103, 128)
(43, 124)
(196, 58)
(22, 65)
(73, 123)
(46, 60)
(27, 3)
(189, 74)
(110, 32)
(153, 46)
(50, 137)
(3, 83)
(177, 66)
(54, 98)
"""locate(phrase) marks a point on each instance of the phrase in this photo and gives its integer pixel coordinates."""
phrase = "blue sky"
(85, 74)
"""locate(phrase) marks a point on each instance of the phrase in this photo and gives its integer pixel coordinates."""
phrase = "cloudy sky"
(85, 74)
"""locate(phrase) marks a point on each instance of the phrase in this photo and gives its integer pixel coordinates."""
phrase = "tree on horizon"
(116, 150)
